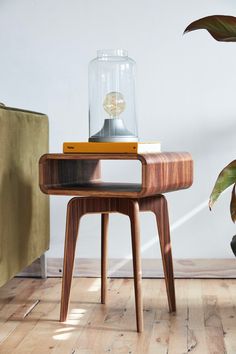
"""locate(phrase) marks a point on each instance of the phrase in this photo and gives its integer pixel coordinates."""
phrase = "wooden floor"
(205, 321)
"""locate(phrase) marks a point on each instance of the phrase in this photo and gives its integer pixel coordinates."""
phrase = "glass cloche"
(112, 115)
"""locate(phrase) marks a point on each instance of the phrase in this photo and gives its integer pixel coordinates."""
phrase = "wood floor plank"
(23, 326)
(178, 322)
(38, 340)
(212, 318)
(162, 324)
(149, 343)
(231, 331)
(196, 337)
(205, 322)
(8, 293)
(16, 310)
(227, 314)
(85, 314)
(105, 329)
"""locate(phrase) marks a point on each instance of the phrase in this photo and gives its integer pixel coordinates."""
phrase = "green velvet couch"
(24, 209)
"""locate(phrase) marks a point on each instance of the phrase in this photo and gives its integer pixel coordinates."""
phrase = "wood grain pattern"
(58, 172)
(158, 205)
(136, 251)
(79, 174)
(166, 172)
(204, 323)
(79, 206)
(72, 224)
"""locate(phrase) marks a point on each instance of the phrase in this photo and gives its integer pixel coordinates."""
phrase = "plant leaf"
(222, 28)
(226, 178)
(233, 205)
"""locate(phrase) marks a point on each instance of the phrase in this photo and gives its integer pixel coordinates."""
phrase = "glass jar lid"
(112, 53)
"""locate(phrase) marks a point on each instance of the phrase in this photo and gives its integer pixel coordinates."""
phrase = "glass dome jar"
(112, 115)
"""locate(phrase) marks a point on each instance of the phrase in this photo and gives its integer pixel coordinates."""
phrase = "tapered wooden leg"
(135, 235)
(72, 225)
(165, 244)
(104, 242)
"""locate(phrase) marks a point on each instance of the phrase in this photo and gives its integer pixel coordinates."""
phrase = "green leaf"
(222, 28)
(233, 205)
(226, 178)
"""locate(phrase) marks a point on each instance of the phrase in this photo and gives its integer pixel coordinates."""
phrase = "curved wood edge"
(89, 156)
(57, 173)
(161, 172)
(147, 158)
(165, 172)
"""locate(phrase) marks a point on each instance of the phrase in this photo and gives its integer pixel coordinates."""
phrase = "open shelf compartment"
(80, 174)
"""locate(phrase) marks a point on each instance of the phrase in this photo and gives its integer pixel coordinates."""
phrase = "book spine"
(100, 148)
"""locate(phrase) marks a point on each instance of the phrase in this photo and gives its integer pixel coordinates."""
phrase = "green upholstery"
(24, 209)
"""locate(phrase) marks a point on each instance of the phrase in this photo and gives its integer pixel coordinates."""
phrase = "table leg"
(135, 235)
(165, 244)
(72, 226)
(104, 243)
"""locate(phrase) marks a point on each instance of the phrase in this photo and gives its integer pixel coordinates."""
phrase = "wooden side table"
(80, 175)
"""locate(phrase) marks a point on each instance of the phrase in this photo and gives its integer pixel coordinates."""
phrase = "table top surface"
(147, 156)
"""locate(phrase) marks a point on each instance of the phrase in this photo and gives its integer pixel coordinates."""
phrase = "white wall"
(186, 99)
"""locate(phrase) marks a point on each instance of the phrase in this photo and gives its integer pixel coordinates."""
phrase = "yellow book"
(119, 147)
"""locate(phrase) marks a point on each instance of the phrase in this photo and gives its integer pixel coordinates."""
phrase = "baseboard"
(151, 268)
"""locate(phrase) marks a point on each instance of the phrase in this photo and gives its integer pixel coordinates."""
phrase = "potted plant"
(223, 29)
